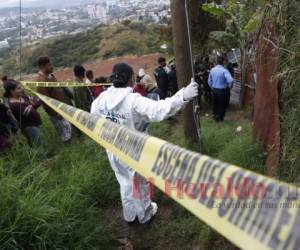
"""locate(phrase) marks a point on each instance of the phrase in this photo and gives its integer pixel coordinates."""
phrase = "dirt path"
(128, 237)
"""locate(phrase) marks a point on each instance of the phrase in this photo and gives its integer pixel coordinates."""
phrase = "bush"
(130, 46)
(138, 26)
(289, 60)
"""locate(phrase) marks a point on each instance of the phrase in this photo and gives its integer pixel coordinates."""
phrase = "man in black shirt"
(173, 85)
(162, 78)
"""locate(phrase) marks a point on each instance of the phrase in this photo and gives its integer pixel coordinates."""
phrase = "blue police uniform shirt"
(220, 78)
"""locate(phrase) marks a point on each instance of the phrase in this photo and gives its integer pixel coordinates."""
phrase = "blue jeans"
(154, 96)
(33, 136)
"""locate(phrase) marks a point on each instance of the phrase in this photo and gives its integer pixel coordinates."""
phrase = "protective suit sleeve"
(156, 111)
(94, 110)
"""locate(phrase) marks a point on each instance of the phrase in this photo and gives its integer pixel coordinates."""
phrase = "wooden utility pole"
(183, 61)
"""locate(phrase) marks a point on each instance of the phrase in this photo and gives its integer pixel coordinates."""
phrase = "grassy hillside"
(68, 198)
(55, 201)
(102, 42)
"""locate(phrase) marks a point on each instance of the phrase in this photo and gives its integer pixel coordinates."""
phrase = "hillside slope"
(104, 67)
(103, 42)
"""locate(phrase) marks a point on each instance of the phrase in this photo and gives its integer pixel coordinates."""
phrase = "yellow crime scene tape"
(62, 84)
(251, 210)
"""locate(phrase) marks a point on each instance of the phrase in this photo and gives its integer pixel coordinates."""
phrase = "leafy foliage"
(202, 23)
(215, 9)
(243, 19)
(287, 18)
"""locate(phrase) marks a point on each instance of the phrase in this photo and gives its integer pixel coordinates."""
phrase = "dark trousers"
(207, 94)
(221, 98)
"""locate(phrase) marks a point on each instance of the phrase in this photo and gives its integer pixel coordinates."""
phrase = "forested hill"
(102, 42)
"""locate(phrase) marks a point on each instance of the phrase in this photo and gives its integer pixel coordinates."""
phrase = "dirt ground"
(129, 237)
(104, 68)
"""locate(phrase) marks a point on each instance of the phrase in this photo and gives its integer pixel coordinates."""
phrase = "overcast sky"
(42, 3)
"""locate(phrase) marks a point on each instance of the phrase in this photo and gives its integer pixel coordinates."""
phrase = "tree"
(242, 20)
(183, 59)
(202, 23)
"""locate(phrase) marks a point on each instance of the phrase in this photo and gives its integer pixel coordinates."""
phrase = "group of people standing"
(119, 103)
(19, 111)
(162, 86)
(216, 82)
(81, 97)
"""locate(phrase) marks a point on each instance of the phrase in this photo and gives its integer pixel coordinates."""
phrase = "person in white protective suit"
(119, 104)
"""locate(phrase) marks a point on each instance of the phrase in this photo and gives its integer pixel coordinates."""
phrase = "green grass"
(55, 202)
(220, 141)
(65, 198)
(223, 142)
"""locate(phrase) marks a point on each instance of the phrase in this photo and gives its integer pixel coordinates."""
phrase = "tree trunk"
(202, 24)
(183, 61)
